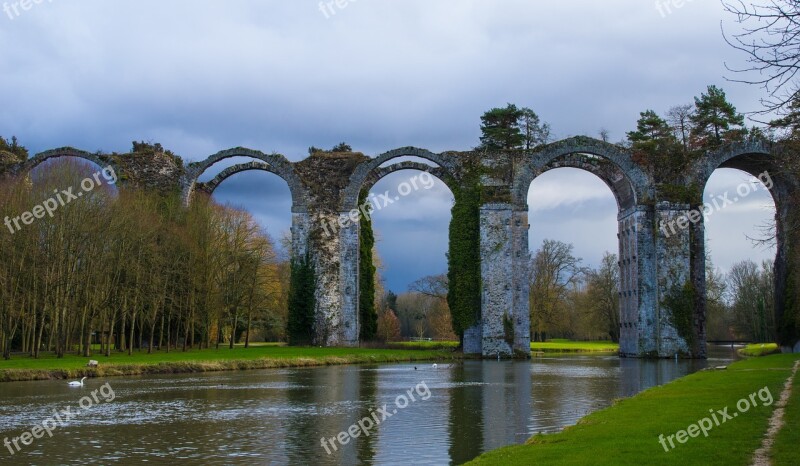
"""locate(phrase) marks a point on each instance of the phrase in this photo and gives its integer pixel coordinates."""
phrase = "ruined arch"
(632, 189)
(612, 164)
(211, 186)
(759, 159)
(273, 163)
(27, 166)
(367, 174)
(378, 174)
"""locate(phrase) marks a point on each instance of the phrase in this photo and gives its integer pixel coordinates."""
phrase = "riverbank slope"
(628, 433)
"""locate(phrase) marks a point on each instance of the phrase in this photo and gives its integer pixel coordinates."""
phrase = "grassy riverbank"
(258, 357)
(628, 432)
(569, 346)
(550, 346)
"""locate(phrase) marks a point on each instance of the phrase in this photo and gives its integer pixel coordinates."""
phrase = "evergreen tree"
(300, 321)
(500, 128)
(715, 120)
(655, 146)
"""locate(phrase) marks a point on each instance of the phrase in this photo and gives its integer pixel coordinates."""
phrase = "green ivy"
(367, 314)
(679, 193)
(464, 260)
(680, 302)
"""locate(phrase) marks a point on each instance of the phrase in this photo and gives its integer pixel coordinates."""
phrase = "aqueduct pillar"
(504, 327)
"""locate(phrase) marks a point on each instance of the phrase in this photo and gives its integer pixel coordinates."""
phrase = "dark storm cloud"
(202, 76)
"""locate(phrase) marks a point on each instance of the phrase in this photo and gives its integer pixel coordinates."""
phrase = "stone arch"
(757, 158)
(612, 164)
(211, 186)
(370, 172)
(752, 157)
(378, 174)
(38, 159)
(273, 163)
(631, 187)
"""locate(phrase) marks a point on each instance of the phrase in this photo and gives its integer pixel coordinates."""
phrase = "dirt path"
(761, 457)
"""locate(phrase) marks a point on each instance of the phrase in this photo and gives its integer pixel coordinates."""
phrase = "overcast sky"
(202, 76)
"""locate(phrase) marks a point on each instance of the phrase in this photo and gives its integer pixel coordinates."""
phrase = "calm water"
(279, 416)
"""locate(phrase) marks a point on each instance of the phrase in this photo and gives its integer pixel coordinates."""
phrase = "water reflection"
(279, 416)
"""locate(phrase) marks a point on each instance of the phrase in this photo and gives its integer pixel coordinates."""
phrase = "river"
(440, 415)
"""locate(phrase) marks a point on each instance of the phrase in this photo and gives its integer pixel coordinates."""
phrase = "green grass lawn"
(256, 357)
(426, 344)
(628, 432)
(759, 349)
(568, 346)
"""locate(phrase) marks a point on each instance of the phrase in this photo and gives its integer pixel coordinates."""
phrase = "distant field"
(425, 344)
(759, 349)
(568, 346)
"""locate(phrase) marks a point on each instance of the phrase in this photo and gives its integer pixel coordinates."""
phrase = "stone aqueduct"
(327, 187)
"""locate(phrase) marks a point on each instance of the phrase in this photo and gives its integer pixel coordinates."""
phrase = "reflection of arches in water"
(328, 393)
(483, 418)
(465, 423)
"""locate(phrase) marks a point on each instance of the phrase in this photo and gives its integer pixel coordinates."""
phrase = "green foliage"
(341, 147)
(508, 330)
(715, 120)
(655, 146)
(512, 128)
(789, 326)
(464, 261)
(367, 314)
(679, 193)
(500, 129)
(302, 301)
(680, 302)
(12, 147)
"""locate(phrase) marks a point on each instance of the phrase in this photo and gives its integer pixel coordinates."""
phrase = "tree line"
(124, 269)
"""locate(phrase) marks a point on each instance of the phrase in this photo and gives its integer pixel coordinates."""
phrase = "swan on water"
(76, 383)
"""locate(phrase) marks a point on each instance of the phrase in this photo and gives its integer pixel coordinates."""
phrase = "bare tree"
(770, 37)
(679, 118)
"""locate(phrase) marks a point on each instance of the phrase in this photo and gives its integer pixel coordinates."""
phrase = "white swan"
(77, 384)
(435, 366)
